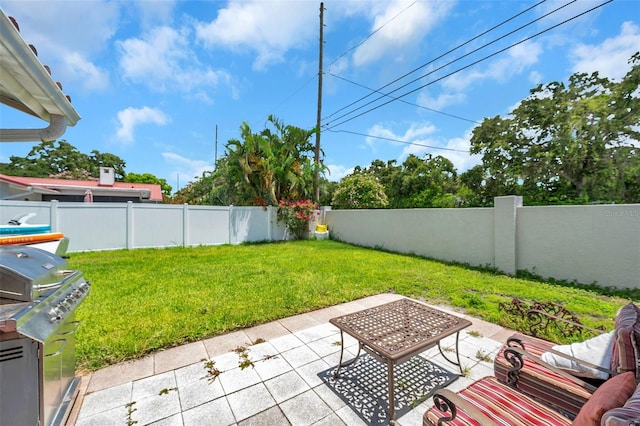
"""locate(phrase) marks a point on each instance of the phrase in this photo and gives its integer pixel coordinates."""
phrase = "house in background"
(106, 189)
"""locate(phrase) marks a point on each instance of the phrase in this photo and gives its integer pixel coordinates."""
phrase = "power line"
(407, 102)
(443, 55)
(398, 140)
(465, 67)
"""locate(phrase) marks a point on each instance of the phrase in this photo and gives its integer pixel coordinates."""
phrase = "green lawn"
(148, 299)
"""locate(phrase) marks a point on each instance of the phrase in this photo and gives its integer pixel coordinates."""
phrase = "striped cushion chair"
(536, 378)
(490, 402)
(519, 364)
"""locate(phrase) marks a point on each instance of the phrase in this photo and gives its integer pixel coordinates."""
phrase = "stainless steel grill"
(38, 298)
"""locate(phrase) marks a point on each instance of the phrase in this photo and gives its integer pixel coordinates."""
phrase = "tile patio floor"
(284, 386)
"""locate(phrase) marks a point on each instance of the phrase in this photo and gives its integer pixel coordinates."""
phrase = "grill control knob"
(55, 314)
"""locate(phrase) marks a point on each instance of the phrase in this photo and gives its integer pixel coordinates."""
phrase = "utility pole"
(215, 161)
(319, 116)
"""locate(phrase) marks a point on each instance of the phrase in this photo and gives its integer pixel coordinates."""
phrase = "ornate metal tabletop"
(396, 331)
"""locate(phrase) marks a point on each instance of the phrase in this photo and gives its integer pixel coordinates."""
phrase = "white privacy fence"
(587, 244)
(109, 226)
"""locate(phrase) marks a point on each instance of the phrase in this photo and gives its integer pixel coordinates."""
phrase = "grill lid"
(27, 272)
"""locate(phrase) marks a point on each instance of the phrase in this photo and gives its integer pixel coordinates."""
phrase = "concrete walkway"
(275, 374)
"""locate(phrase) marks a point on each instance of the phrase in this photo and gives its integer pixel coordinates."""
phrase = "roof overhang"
(26, 85)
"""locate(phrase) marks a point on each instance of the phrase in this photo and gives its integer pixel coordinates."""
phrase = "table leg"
(458, 363)
(340, 364)
(392, 402)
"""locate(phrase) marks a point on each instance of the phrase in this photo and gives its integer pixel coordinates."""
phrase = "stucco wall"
(590, 244)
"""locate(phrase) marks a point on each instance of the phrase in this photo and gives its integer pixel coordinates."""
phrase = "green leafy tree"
(152, 179)
(98, 159)
(359, 191)
(263, 168)
(60, 159)
(567, 143)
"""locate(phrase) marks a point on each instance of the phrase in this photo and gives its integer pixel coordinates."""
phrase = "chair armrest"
(519, 342)
(450, 402)
(515, 356)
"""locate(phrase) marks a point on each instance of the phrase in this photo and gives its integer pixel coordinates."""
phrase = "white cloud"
(402, 29)
(535, 77)
(419, 141)
(132, 117)
(609, 58)
(92, 78)
(163, 60)
(443, 99)
(415, 130)
(517, 59)
(337, 172)
(267, 28)
(186, 169)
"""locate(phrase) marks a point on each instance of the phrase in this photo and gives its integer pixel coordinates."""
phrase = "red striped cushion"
(625, 340)
(503, 404)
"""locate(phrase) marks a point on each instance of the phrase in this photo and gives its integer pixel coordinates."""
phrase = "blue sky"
(153, 78)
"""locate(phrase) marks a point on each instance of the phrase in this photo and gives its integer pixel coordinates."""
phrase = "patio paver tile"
(250, 401)
(175, 420)
(272, 367)
(236, 379)
(309, 372)
(305, 409)
(152, 386)
(300, 356)
(106, 400)
(287, 342)
(154, 408)
(286, 386)
(266, 331)
(217, 412)
(272, 416)
(330, 420)
(317, 332)
(180, 356)
(121, 373)
(298, 322)
(226, 342)
(114, 417)
(349, 417)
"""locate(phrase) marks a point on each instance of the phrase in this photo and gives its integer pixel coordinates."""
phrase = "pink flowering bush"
(296, 216)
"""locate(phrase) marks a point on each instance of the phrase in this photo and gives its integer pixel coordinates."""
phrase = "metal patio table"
(397, 331)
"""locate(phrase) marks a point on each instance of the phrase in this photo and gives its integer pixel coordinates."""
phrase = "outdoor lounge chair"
(490, 402)
(520, 364)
